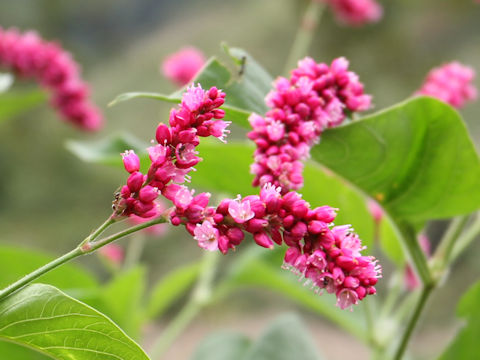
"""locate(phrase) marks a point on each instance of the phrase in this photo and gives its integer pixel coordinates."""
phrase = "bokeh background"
(49, 199)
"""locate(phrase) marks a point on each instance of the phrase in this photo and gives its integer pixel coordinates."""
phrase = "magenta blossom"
(356, 12)
(452, 83)
(182, 66)
(316, 97)
(29, 56)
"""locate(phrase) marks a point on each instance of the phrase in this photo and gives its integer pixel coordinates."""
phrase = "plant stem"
(407, 233)
(443, 253)
(201, 296)
(304, 35)
(40, 271)
(85, 247)
(466, 239)
(96, 233)
(419, 306)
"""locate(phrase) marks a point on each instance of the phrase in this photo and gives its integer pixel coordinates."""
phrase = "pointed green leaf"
(45, 319)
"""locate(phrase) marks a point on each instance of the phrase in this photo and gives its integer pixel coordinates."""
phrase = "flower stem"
(407, 233)
(304, 35)
(201, 296)
(442, 256)
(466, 239)
(87, 246)
(412, 322)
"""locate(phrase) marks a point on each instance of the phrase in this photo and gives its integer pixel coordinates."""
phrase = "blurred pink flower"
(113, 253)
(182, 66)
(375, 210)
(451, 83)
(30, 56)
(356, 12)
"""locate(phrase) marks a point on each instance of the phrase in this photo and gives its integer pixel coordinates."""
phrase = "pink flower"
(316, 97)
(356, 12)
(30, 56)
(451, 83)
(131, 161)
(240, 210)
(173, 158)
(206, 235)
(182, 66)
(113, 253)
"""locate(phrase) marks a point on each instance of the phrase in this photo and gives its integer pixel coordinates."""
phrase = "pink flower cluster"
(182, 66)
(451, 83)
(174, 155)
(28, 55)
(329, 257)
(316, 96)
(356, 12)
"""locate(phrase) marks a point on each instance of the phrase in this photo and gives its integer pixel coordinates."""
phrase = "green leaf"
(390, 244)
(246, 86)
(13, 351)
(16, 262)
(170, 288)
(122, 300)
(16, 103)
(223, 345)
(254, 270)
(285, 339)
(415, 158)
(465, 344)
(45, 319)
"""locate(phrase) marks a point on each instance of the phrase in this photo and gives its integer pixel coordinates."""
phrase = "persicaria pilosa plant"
(328, 257)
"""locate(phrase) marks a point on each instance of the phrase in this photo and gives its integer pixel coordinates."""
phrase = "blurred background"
(49, 199)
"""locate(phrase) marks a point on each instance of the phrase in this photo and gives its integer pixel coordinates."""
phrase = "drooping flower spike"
(452, 83)
(327, 257)
(29, 56)
(316, 97)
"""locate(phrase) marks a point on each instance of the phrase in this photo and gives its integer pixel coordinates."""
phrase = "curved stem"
(201, 296)
(304, 35)
(88, 245)
(419, 306)
(466, 239)
(443, 253)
